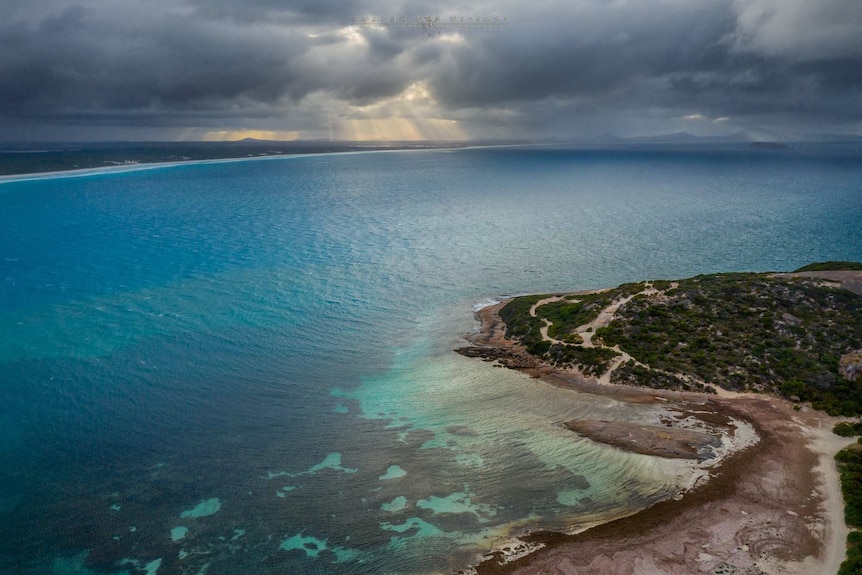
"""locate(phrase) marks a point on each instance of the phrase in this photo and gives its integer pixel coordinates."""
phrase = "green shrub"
(848, 429)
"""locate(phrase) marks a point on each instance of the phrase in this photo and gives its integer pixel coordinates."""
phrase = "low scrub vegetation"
(741, 331)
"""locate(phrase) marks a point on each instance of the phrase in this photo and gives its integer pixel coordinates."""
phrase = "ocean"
(247, 367)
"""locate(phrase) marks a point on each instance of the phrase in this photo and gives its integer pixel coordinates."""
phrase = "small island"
(777, 353)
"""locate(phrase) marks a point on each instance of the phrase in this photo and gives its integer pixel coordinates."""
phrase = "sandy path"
(586, 331)
(825, 445)
(544, 329)
(605, 378)
(605, 317)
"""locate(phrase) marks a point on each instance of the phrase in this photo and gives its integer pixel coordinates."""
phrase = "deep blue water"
(247, 366)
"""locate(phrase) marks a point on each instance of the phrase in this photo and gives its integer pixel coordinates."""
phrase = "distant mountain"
(685, 137)
(675, 138)
(608, 137)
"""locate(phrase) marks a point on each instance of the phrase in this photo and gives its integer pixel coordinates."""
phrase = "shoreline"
(135, 166)
(771, 507)
(141, 166)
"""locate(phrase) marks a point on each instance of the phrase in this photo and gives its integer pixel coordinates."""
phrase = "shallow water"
(247, 367)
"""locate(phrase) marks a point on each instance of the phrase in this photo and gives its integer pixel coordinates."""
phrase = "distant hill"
(675, 138)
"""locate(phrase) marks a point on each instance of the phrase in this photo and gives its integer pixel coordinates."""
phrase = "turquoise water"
(247, 367)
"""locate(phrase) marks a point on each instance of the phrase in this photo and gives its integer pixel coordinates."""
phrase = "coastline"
(771, 507)
(135, 166)
(140, 166)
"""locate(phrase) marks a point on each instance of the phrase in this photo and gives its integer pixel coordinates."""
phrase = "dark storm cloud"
(78, 60)
(593, 52)
(128, 61)
(691, 57)
(578, 67)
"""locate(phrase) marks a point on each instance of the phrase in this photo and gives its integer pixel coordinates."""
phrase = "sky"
(285, 69)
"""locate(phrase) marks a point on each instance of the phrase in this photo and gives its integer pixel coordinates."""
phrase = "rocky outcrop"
(511, 358)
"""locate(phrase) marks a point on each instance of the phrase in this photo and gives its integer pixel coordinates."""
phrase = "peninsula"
(781, 352)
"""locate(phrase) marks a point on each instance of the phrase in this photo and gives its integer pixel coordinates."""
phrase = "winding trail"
(586, 331)
(606, 316)
(544, 329)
